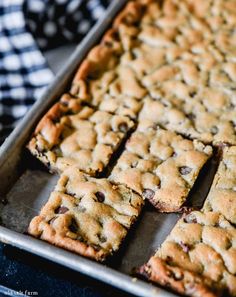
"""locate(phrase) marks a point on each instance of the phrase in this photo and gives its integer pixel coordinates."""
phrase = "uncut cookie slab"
(72, 134)
(160, 165)
(222, 195)
(197, 258)
(86, 215)
(192, 85)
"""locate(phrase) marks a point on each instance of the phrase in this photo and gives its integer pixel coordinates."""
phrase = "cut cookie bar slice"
(86, 215)
(71, 134)
(160, 165)
(197, 258)
(222, 195)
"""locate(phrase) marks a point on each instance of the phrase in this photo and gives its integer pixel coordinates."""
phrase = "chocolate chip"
(96, 247)
(148, 193)
(102, 239)
(174, 155)
(100, 196)
(184, 247)
(4, 201)
(80, 238)
(123, 127)
(192, 94)
(73, 226)
(168, 260)
(134, 164)
(108, 43)
(190, 218)
(115, 35)
(214, 130)
(184, 170)
(61, 210)
(191, 116)
(52, 220)
(64, 103)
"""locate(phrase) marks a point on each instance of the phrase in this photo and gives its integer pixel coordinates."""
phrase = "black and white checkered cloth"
(26, 28)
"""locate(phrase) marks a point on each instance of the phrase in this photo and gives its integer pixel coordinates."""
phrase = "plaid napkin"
(26, 28)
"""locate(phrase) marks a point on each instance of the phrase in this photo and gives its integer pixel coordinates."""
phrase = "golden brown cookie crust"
(179, 280)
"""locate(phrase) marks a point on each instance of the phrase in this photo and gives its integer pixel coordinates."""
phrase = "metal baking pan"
(25, 186)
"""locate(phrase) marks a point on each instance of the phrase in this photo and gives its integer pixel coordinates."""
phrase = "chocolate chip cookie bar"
(73, 134)
(86, 215)
(160, 165)
(197, 258)
(222, 195)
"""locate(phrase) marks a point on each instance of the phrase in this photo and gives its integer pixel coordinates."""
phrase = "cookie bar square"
(197, 258)
(160, 165)
(222, 195)
(86, 215)
(71, 134)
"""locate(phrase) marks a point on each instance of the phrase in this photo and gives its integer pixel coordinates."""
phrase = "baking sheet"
(25, 186)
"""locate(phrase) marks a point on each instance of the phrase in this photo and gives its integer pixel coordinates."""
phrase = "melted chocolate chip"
(64, 103)
(96, 247)
(73, 226)
(100, 196)
(174, 155)
(148, 193)
(214, 130)
(191, 116)
(108, 44)
(192, 94)
(184, 247)
(4, 201)
(61, 210)
(168, 260)
(134, 164)
(52, 220)
(184, 170)
(123, 127)
(115, 35)
(80, 238)
(102, 239)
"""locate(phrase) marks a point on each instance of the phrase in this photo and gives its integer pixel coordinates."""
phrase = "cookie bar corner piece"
(88, 216)
(73, 134)
(48, 132)
(222, 195)
(197, 258)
